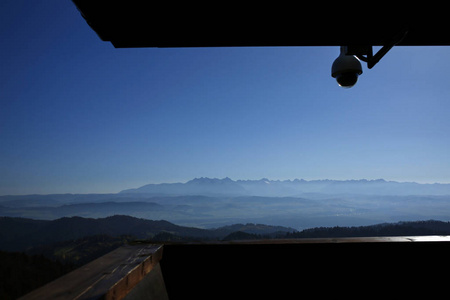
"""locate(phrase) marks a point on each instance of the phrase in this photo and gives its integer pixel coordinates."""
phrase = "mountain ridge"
(211, 202)
(283, 188)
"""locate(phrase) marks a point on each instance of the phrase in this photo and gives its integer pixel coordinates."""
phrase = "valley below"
(210, 203)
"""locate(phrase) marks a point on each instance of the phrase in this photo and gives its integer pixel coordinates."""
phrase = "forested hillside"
(52, 248)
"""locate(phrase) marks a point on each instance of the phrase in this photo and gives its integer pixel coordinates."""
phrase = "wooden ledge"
(337, 240)
(111, 276)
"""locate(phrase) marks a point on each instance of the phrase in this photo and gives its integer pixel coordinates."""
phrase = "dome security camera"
(346, 69)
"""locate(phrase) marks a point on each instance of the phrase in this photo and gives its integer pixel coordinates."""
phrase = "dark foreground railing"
(129, 272)
(265, 269)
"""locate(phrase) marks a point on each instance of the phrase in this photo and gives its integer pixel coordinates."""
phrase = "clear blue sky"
(78, 115)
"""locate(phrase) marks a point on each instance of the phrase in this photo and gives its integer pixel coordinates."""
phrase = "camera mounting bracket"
(365, 53)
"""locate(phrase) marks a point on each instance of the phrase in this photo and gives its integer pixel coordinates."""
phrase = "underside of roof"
(151, 24)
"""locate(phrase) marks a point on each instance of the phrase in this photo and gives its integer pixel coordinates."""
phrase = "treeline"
(430, 227)
(21, 273)
(80, 251)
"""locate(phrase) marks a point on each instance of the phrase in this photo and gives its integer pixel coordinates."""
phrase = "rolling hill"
(19, 234)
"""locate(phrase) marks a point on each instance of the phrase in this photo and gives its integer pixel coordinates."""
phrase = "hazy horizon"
(119, 189)
(208, 202)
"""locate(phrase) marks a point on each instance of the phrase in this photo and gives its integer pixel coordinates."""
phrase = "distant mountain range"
(278, 188)
(212, 203)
